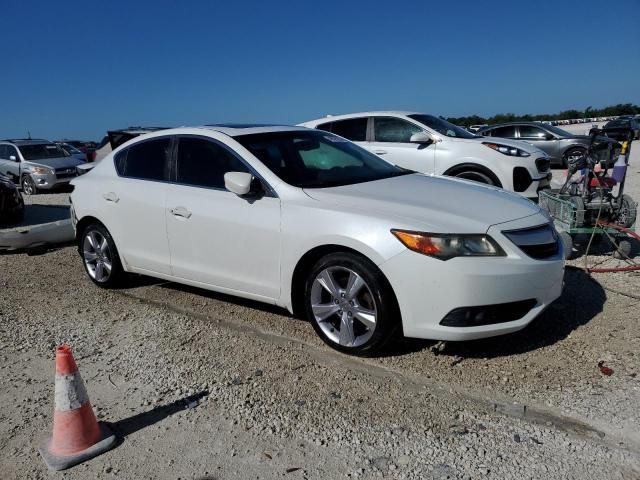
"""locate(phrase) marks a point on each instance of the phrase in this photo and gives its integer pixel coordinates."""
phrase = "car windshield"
(442, 126)
(317, 159)
(558, 131)
(41, 151)
(70, 149)
(618, 123)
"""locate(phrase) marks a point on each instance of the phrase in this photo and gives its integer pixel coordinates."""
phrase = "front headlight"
(506, 150)
(446, 246)
(41, 170)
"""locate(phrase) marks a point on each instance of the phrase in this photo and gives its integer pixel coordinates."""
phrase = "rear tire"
(572, 153)
(100, 256)
(628, 211)
(350, 304)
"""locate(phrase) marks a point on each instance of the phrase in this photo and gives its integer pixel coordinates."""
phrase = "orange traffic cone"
(77, 436)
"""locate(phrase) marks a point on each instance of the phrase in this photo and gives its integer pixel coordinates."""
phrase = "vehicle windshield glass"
(317, 159)
(618, 123)
(41, 151)
(70, 148)
(558, 131)
(442, 126)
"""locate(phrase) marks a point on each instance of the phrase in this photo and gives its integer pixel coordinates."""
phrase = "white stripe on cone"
(70, 392)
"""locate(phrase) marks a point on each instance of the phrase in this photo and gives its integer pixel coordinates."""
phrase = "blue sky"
(76, 69)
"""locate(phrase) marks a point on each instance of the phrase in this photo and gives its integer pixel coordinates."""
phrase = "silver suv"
(37, 164)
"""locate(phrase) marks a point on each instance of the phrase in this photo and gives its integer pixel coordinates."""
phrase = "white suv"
(431, 145)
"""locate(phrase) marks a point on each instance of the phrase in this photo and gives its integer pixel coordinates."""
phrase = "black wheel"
(623, 250)
(100, 256)
(572, 154)
(570, 252)
(476, 177)
(29, 186)
(350, 304)
(628, 211)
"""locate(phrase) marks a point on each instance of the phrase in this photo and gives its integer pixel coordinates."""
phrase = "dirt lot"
(201, 385)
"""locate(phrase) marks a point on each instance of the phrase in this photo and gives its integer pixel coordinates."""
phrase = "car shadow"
(582, 299)
(603, 246)
(136, 281)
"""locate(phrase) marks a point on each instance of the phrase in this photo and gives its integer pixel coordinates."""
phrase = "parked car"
(36, 164)
(11, 202)
(560, 145)
(616, 126)
(431, 145)
(307, 220)
(88, 148)
(73, 151)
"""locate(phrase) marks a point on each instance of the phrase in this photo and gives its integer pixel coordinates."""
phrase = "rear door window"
(354, 129)
(508, 131)
(396, 130)
(147, 160)
(531, 132)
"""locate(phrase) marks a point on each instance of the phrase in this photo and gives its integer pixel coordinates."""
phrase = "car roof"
(237, 129)
(26, 141)
(376, 113)
(508, 124)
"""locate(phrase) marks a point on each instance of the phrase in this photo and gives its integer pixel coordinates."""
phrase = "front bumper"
(48, 181)
(428, 289)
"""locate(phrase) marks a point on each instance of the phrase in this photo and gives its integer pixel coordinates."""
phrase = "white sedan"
(309, 221)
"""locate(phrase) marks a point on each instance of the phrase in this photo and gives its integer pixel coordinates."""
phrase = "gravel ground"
(202, 385)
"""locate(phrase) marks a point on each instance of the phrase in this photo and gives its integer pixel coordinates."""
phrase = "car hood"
(61, 162)
(428, 203)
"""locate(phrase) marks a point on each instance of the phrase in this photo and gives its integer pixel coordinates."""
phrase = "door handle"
(379, 152)
(111, 197)
(180, 212)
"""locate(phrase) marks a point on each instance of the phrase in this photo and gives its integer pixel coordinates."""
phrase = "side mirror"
(421, 137)
(238, 182)
(13, 158)
(549, 136)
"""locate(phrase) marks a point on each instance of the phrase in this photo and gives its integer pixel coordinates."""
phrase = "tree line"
(589, 112)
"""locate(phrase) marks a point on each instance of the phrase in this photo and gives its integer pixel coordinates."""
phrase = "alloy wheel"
(28, 186)
(97, 256)
(343, 306)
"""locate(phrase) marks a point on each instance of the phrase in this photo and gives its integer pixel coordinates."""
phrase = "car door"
(390, 139)
(540, 138)
(216, 237)
(134, 204)
(4, 159)
(12, 162)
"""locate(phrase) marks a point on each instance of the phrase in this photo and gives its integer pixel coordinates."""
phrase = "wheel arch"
(469, 166)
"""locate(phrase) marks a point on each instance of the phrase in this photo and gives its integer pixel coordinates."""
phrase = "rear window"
(354, 129)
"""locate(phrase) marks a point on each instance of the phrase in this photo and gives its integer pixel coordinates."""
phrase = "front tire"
(350, 304)
(476, 177)
(29, 186)
(100, 256)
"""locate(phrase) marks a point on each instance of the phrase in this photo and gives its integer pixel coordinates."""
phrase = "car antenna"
(29, 135)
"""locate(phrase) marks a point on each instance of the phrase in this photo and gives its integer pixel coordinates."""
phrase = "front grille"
(543, 164)
(488, 314)
(66, 172)
(537, 242)
(521, 179)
